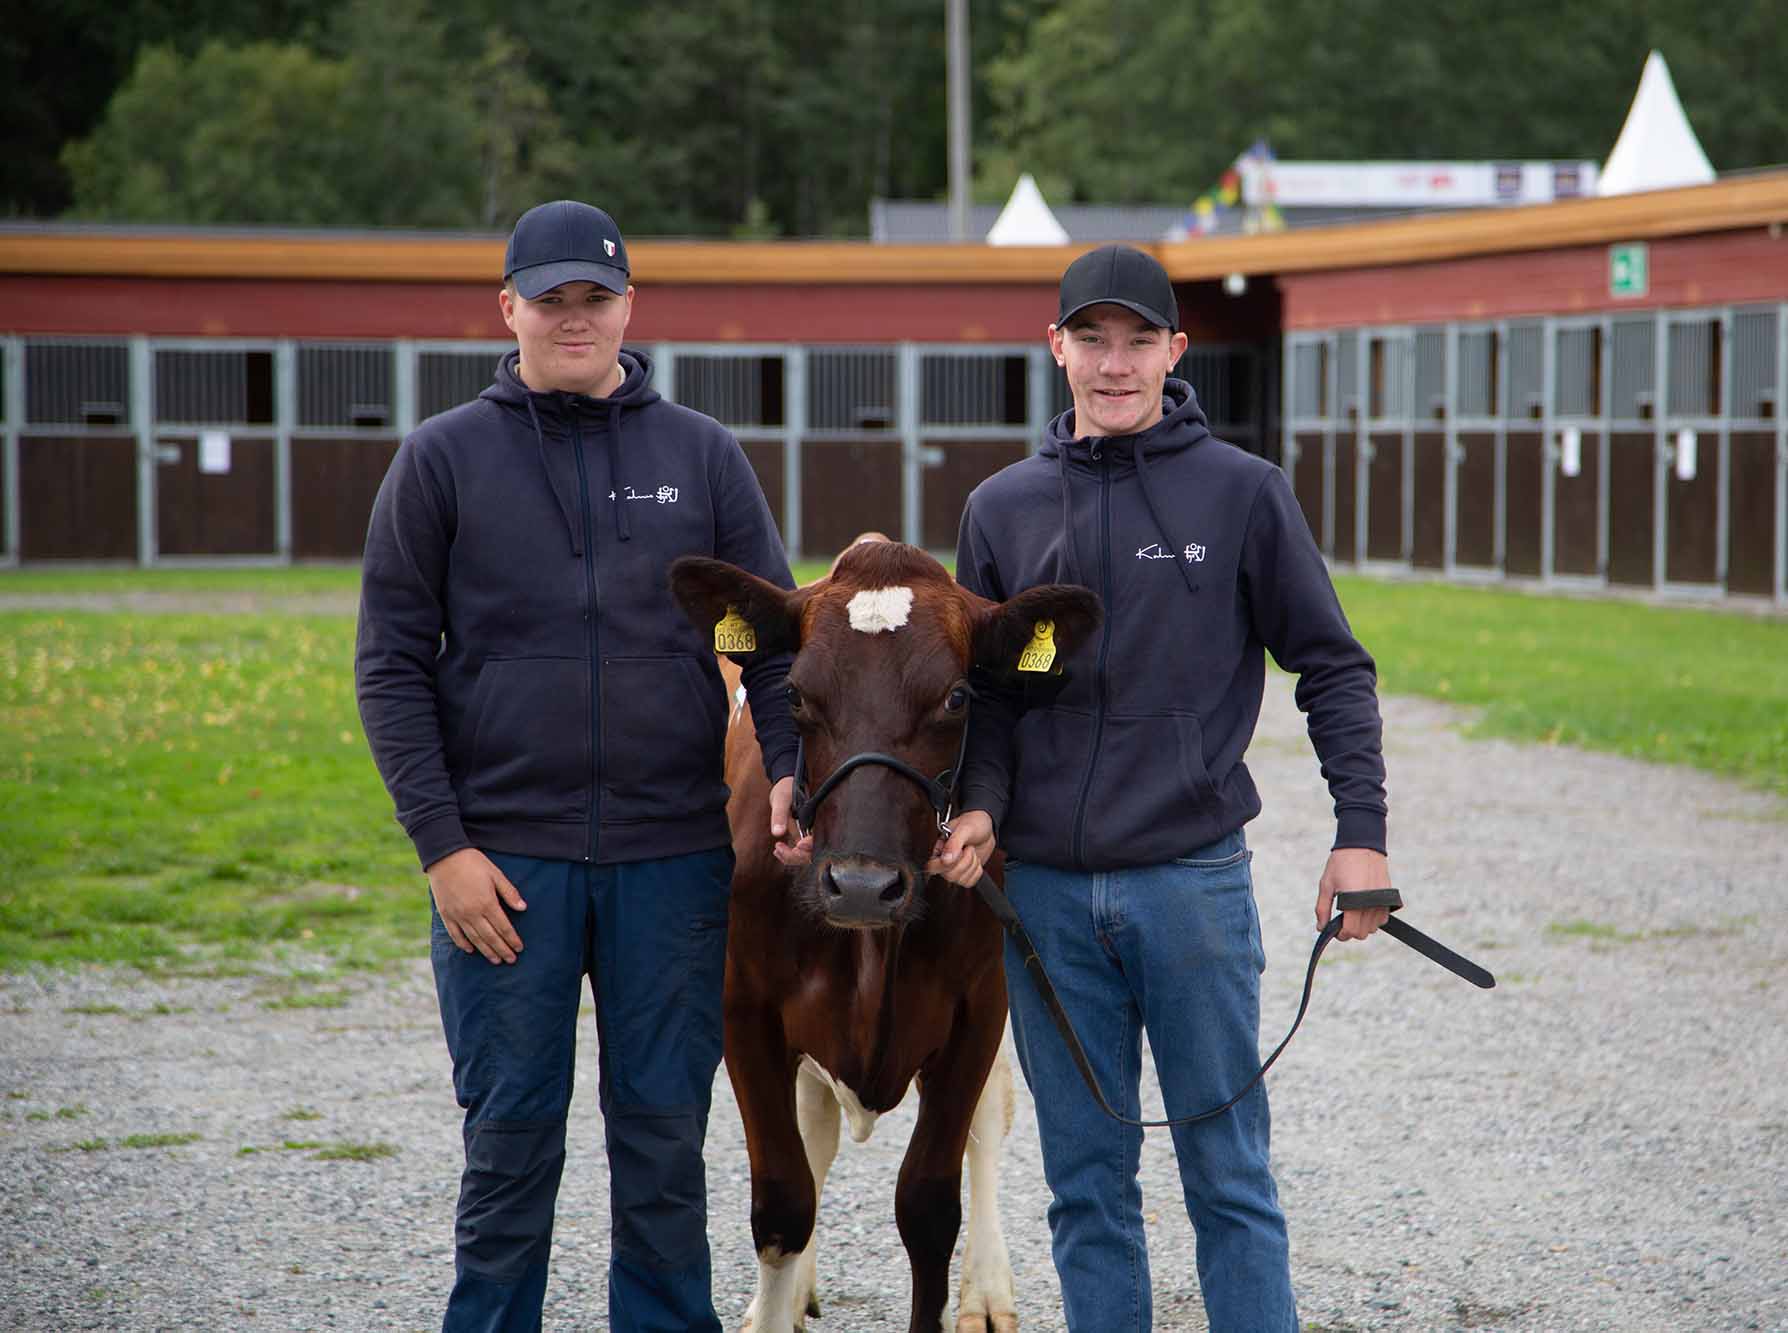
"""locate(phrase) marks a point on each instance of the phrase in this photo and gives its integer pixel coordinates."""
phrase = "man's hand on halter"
(789, 853)
(961, 857)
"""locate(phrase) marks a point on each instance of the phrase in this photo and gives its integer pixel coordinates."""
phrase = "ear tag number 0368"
(734, 633)
(1039, 653)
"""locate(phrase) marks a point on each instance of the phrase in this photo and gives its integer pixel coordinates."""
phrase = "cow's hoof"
(988, 1323)
(813, 1310)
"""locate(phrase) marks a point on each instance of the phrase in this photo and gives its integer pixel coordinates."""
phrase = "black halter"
(939, 791)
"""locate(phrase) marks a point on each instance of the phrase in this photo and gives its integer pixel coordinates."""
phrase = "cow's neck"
(882, 1085)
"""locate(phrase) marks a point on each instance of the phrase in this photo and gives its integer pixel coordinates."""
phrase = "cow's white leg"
(787, 1287)
(986, 1302)
(773, 1309)
(816, 1110)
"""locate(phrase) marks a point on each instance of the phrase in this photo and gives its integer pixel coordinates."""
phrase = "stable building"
(1587, 392)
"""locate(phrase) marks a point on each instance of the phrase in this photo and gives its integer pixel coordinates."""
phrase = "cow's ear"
(1066, 614)
(746, 614)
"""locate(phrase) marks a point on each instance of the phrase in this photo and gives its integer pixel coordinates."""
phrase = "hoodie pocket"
(663, 731)
(1052, 748)
(1151, 796)
(530, 755)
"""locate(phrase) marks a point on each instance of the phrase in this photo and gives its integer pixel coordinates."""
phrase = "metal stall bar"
(1500, 510)
(285, 419)
(912, 449)
(1362, 442)
(1407, 392)
(664, 370)
(1039, 367)
(403, 388)
(1452, 453)
(1288, 410)
(142, 421)
(1337, 413)
(1549, 450)
(1723, 411)
(1660, 415)
(1605, 463)
(1780, 408)
(794, 426)
(12, 393)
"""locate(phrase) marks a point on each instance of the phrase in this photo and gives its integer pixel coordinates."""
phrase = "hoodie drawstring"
(617, 492)
(1148, 497)
(1072, 574)
(571, 524)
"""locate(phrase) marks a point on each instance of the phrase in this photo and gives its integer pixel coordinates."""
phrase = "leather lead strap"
(1001, 907)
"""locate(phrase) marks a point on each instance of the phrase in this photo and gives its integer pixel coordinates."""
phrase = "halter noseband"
(939, 791)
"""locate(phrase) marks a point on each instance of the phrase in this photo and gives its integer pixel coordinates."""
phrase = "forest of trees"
(760, 118)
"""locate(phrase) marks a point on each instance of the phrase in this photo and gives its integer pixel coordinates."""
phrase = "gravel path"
(1600, 1143)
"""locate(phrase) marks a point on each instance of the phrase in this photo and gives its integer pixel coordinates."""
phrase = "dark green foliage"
(786, 117)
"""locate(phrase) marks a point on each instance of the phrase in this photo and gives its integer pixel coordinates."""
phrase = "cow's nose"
(861, 892)
(864, 882)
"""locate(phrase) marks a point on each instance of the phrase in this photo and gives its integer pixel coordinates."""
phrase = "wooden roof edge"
(362, 258)
(1732, 204)
(1729, 205)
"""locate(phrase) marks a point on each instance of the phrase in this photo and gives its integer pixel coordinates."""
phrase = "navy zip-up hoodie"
(526, 681)
(1204, 563)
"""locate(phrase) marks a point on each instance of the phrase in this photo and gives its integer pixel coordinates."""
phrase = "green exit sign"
(1628, 269)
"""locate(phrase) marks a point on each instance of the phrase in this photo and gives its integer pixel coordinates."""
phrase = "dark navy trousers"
(651, 936)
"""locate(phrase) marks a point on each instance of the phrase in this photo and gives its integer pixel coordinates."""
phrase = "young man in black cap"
(1120, 802)
(550, 727)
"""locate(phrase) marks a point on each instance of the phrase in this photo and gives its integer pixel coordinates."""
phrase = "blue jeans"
(651, 936)
(1173, 950)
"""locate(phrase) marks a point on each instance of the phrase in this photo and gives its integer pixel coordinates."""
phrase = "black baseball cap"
(565, 241)
(1120, 275)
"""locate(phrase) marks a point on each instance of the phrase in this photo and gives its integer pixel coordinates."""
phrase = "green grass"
(193, 792)
(172, 784)
(294, 581)
(157, 1140)
(1677, 685)
(355, 1152)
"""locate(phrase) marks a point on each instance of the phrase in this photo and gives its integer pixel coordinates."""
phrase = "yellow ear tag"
(734, 633)
(1039, 653)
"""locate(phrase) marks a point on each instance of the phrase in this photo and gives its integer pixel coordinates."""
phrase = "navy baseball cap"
(1120, 275)
(565, 241)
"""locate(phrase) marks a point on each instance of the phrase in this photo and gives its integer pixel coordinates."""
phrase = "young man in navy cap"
(550, 727)
(1120, 801)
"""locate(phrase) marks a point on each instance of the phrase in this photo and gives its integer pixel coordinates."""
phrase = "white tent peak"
(1026, 219)
(1656, 150)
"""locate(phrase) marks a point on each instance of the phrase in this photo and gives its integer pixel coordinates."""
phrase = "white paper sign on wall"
(1570, 454)
(214, 451)
(1685, 454)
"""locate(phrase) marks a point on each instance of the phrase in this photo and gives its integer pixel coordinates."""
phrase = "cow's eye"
(957, 699)
(795, 702)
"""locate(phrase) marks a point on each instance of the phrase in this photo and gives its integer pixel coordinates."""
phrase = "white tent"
(1026, 219)
(1656, 149)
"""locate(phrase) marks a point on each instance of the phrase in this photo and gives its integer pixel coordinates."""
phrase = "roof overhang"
(1727, 205)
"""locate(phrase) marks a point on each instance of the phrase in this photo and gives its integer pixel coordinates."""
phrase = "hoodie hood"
(556, 414)
(1182, 425)
(508, 389)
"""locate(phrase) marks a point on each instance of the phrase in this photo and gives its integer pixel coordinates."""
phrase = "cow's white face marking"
(876, 609)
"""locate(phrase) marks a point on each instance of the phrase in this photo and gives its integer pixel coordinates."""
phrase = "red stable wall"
(672, 312)
(1709, 269)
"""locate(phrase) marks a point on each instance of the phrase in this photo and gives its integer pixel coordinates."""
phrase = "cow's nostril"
(864, 883)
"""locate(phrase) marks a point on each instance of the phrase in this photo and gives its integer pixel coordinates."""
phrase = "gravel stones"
(1599, 1143)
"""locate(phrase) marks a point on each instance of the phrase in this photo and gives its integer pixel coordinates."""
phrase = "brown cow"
(856, 974)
